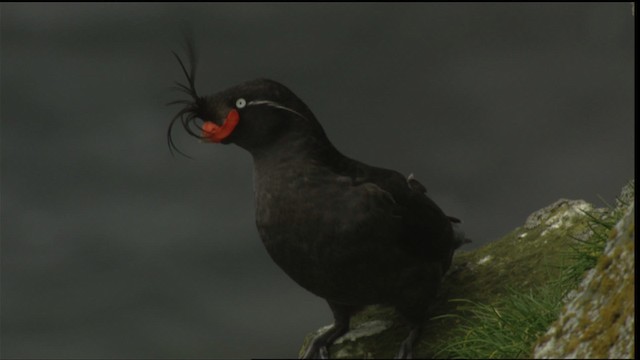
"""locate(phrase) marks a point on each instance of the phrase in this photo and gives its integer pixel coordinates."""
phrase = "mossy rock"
(599, 317)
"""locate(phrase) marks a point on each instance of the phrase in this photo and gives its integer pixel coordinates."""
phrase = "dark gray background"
(112, 248)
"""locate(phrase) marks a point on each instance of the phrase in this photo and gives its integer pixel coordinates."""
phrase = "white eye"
(240, 103)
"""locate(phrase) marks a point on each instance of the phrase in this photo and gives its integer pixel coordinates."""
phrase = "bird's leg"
(406, 348)
(415, 315)
(318, 349)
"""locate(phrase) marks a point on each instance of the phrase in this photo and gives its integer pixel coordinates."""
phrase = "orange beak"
(214, 133)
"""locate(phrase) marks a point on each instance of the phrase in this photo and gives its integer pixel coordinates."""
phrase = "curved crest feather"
(192, 107)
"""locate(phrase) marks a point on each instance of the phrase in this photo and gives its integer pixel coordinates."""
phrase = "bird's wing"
(426, 231)
(368, 206)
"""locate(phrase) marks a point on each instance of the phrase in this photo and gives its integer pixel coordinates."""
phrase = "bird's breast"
(327, 236)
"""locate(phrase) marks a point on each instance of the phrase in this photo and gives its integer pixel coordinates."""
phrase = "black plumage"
(348, 232)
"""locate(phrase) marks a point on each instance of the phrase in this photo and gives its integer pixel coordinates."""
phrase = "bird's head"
(253, 115)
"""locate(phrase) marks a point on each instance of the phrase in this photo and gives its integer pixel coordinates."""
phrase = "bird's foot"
(405, 352)
(318, 349)
(316, 352)
(406, 348)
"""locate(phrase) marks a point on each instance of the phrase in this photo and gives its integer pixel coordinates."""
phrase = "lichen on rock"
(598, 320)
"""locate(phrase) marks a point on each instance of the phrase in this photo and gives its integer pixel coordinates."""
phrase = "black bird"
(348, 232)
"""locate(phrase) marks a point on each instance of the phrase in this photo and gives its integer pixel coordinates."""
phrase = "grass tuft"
(504, 330)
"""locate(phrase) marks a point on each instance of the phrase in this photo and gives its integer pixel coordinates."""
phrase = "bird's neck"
(297, 152)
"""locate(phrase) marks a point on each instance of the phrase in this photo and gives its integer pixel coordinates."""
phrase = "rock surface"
(598, 320)
(523, 259)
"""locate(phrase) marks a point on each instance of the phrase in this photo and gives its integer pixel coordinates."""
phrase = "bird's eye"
(240, 103)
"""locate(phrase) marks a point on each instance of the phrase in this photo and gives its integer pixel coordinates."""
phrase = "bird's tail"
(459, 236)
